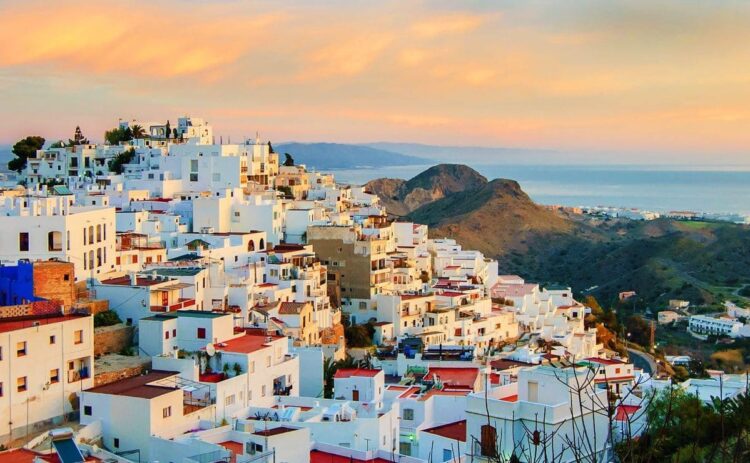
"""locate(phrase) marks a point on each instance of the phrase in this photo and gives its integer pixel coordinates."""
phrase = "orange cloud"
(444, 25)
(346, 55)
(118, 38)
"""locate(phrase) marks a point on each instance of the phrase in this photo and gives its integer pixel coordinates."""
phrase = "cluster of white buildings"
(238, 276)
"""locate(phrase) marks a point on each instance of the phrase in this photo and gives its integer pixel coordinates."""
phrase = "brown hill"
(704, 262)
(403, 196)
(497, 218)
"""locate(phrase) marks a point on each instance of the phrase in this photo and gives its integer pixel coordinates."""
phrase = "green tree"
(174, 133)
(138, 131)
(116, 164)
(23, 149)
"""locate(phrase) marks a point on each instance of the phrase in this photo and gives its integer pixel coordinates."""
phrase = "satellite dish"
(210, 349)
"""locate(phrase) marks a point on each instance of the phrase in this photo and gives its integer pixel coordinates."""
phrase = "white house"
(42, 228)
(44, 361)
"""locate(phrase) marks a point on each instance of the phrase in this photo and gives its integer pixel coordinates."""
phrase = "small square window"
(87, 410)
(54, 376)
(21, 384)
(52, 339)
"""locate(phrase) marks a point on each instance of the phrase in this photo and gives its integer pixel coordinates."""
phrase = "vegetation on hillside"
(702, 262)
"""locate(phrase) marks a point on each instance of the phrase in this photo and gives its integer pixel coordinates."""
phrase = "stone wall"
(112, 339)
(55, 281)
(100, 379)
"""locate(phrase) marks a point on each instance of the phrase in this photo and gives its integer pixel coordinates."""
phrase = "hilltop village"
(167, 298)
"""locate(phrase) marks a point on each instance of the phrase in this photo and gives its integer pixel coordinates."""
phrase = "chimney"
(133, 278)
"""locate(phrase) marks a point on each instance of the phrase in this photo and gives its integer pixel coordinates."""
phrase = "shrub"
(106, 318)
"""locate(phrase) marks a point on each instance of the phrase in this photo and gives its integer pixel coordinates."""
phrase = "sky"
(656, 80)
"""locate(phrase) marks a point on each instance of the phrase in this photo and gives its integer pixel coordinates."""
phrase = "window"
(21, 349)
(99, 233)
(166, 412)
(201, 333)
(409, 414)
(23, 241)
(52, 339)
(54, 241)
(174, 332)
(193, 165)
(87, 410)
(1, 389)
(54, 376)
(21, 384)
(116, 442)
(229, 400)
(193, 177)
(78, 337)
(91, 234)
(166, 334)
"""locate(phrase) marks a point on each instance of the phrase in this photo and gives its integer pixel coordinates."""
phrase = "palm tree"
(138, 131)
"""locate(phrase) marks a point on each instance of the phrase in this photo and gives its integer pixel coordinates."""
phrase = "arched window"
(251, 245)
(99, 257)
(91, 260)
(91, 234)
(262, 244)
(54, 241)
(99, 233)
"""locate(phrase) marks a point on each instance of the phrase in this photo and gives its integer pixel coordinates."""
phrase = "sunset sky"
(664, 77)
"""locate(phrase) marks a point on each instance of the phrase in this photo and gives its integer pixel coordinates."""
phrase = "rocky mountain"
(403, 196)
(704, 262)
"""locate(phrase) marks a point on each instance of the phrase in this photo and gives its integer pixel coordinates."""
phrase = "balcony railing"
(181, 304)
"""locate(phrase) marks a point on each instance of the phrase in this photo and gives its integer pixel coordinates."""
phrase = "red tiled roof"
(453, 431)
(19, 323)
(454, 377)
(625, 411)
(349, 372)
(250, 342)
(291, 308)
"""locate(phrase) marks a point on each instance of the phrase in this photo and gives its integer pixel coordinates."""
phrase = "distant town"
(167, 298)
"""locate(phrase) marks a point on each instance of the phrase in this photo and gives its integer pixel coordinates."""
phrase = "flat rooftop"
(138, 386)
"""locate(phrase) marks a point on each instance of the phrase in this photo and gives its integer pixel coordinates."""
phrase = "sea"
(664, 188)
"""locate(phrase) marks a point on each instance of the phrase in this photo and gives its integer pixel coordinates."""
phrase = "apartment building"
(46, 360)
(356, 264)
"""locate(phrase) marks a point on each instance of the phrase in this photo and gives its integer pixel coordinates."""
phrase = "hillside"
(660, 260)
(323, 156)
(403, 196)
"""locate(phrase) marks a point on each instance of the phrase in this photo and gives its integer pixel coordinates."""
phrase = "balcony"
(181, 303)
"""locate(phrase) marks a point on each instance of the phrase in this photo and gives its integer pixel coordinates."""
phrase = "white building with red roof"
(46, 360)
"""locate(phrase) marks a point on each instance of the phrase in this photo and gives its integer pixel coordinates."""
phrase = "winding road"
(643, 360)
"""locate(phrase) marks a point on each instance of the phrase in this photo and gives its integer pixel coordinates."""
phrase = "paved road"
(643, 360)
